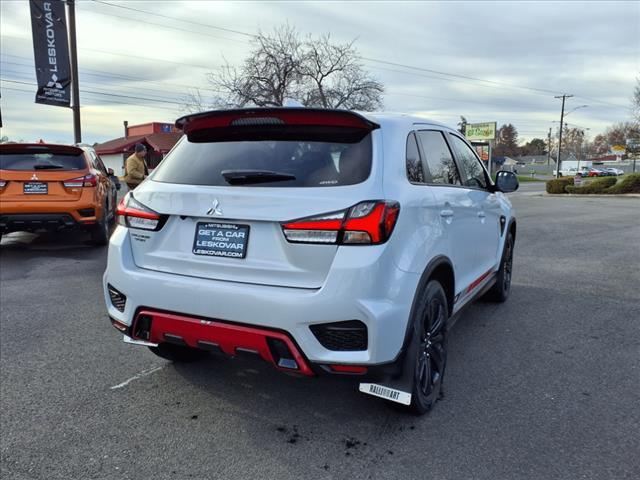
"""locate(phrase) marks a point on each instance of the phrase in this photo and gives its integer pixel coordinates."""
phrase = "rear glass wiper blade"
(47, 166)
(246, 177)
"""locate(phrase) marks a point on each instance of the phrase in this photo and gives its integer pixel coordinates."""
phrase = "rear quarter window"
(313, 163)
(41, 161)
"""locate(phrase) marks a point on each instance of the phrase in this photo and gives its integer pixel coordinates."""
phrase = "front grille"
(341, 336)
(118, 299)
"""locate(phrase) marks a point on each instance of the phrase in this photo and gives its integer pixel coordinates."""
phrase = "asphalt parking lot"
(546, 386)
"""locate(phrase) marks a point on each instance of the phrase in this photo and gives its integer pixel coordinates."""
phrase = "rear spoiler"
(9, 148)
(229, 123)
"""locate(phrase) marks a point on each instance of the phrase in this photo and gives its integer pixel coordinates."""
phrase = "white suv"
(324, 241)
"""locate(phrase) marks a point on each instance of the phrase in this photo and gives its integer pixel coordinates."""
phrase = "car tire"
(501, 289)
(178, 353)
(100, 231)
(429, 324)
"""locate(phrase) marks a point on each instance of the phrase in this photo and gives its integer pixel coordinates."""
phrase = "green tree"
(506, 141)
(536, 146)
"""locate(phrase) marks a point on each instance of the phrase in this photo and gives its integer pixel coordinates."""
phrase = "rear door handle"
(446, 213)
(482, 214)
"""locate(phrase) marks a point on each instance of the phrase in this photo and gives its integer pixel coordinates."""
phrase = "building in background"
(158, 137)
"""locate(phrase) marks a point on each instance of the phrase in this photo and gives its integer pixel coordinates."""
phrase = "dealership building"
(158, 137)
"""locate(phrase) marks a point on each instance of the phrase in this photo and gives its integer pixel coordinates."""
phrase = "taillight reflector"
(348, 369)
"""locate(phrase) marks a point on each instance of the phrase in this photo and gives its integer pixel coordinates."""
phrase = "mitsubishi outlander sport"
(324, 241)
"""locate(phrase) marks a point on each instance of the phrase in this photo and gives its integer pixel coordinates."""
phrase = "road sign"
(481, 131)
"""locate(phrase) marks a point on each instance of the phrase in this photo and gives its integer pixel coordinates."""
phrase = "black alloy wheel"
(501, 289)
(431, 359)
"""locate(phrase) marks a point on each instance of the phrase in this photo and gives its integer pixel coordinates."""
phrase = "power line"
(174, 19)
(192, 32)
(180, 93)
(411, 67)
(106, 103)
(106, 74)
(502, 84)
(104, 93)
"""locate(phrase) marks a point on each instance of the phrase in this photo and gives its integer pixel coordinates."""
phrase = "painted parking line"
(143, 373)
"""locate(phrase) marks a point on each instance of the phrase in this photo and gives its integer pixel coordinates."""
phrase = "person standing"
(135, 168)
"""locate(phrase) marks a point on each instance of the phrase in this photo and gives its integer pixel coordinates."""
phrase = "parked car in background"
(324, 241)
(595, 172)
(614, 171)
(54, 187)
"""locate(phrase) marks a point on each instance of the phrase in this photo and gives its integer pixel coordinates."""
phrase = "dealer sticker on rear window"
(221, 239)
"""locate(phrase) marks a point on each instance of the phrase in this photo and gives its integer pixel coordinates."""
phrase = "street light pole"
(549, 149)
(563, 97)
(73, 56)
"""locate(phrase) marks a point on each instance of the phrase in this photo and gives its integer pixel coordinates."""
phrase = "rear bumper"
(273, 346)
(355, 290)
(43, 221)
(17, 216)
(36, 221)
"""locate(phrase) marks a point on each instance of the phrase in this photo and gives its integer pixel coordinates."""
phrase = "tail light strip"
(367, 223)
(133, 214)
(89, 180)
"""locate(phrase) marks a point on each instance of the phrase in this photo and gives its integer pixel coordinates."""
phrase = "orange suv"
(54, 187)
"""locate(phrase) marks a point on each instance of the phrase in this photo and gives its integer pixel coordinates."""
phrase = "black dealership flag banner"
(51, 52)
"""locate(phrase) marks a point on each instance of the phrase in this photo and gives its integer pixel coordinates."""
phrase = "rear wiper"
(47, 166)
(246, 177)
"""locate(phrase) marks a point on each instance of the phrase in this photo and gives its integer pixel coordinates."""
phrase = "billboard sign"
(618, 150)
(51, 52)
(481, 131)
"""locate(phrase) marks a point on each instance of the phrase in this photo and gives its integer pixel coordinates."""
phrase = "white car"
(614, 171)
(323, 241)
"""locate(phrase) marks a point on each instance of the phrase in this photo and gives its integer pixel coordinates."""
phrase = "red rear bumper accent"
(229, 337)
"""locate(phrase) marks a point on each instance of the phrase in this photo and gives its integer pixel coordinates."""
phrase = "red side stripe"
(478, 281)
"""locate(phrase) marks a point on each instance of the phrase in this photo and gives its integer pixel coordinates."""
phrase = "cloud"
(131, 62)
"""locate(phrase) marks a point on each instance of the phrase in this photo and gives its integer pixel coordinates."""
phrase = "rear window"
(41, 161)
(311, 163)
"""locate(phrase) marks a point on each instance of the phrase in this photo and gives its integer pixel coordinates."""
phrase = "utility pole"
(73, 56)
(563, 97)
(549, 149)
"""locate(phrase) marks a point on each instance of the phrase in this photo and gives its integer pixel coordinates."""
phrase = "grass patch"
(527, 178)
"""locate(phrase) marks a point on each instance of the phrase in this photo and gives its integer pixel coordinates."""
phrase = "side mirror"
(110, 171)
(506, 182)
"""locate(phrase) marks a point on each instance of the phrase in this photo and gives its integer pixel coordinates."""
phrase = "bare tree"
(334, 78)
(315, 71)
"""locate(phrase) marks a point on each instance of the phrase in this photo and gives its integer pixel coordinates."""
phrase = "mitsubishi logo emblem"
(54, 82)
(34, 177)
(215, 210)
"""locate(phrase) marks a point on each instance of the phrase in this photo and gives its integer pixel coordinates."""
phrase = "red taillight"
(89, 180)
(134, 214)
(367, 223)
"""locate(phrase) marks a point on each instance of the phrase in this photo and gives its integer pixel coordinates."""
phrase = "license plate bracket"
(217, 239)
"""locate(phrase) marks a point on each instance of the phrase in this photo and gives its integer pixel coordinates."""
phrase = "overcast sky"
(150, 62)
